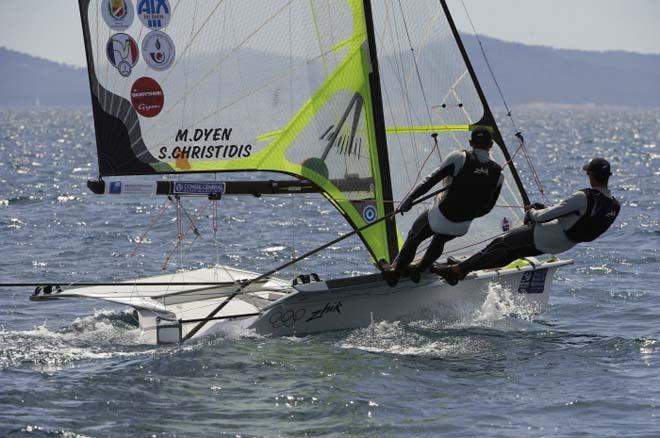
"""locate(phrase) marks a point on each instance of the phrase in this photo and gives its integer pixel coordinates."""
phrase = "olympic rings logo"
(287, 318)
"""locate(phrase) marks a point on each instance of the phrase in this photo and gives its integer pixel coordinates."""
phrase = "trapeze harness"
(472, 190)
(600, 215)
(518, 243)
(472, 193)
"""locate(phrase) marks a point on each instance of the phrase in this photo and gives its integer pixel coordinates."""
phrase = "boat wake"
(106, 334)
(438, 338)
(499, 306)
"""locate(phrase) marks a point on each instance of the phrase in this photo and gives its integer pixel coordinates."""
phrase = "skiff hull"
(272, 307)
(346, 304)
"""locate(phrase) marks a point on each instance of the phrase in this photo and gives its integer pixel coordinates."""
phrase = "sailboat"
(351, 100)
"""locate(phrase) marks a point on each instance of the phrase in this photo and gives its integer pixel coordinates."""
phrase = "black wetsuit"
(600, 214)
(476, 181)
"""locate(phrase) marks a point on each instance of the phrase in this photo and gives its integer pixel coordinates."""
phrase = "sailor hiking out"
(474, 182)
(582, 217)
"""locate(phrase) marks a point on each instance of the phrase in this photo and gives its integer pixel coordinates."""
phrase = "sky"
(51, 28)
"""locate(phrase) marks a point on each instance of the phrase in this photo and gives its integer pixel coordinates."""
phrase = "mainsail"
(290, 86)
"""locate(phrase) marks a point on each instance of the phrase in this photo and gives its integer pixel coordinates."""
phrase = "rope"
(419, 76)
(181, 234)
(165, 206)
(266, 275)
(509, 113)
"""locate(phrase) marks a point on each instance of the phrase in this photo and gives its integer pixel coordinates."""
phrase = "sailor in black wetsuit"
(581, 218)
(474, 182)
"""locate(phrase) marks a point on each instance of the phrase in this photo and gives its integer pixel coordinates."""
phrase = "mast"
(381, 137)
(488, 118)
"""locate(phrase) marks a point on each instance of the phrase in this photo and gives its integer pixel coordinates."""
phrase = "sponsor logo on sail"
(147, 97)
(155, 14)
(158, 50)
(123, 53)
(118, 14)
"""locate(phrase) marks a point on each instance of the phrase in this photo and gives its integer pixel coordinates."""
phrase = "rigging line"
(132, 284)
(397, 65)
(535, 175)
(504, 166)
(214, 224)
(192, 222)
(238, 290)
(167, 204)
(425, 246)
(412, 50)
(476, 243)
(197, 234)
(490, 69)
(422, 168)
(214, 204)
(180, 233)
(537, 180)
(293, 229)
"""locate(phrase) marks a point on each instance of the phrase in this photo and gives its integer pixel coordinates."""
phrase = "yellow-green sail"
(279, 86)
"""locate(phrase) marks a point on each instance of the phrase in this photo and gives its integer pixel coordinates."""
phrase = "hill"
(527, 74)
(530, 74)
(25, 79)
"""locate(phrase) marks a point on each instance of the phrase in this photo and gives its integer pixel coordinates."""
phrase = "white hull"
(320, 307)
(167, 315)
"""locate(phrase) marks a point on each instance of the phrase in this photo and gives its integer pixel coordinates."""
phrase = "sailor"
(582, 217)
(474, 182)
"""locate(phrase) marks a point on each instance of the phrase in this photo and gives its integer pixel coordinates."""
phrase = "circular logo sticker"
(155, 14)
(158, 50)
(147, 97)
(118, 14)
(123, 53)
(369, 213)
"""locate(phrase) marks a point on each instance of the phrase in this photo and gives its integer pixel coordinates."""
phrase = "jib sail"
(429, 87)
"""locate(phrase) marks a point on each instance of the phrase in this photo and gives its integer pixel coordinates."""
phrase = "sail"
(240, 85)
(429, 87)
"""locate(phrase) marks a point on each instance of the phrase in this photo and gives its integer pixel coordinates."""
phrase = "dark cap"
(481, 136)
(598, 166)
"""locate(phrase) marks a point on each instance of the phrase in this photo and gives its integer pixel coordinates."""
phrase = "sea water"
(589, 366)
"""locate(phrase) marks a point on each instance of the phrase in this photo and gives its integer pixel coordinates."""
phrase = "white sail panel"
(240, 69)
(427, 88)
(239, 85)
